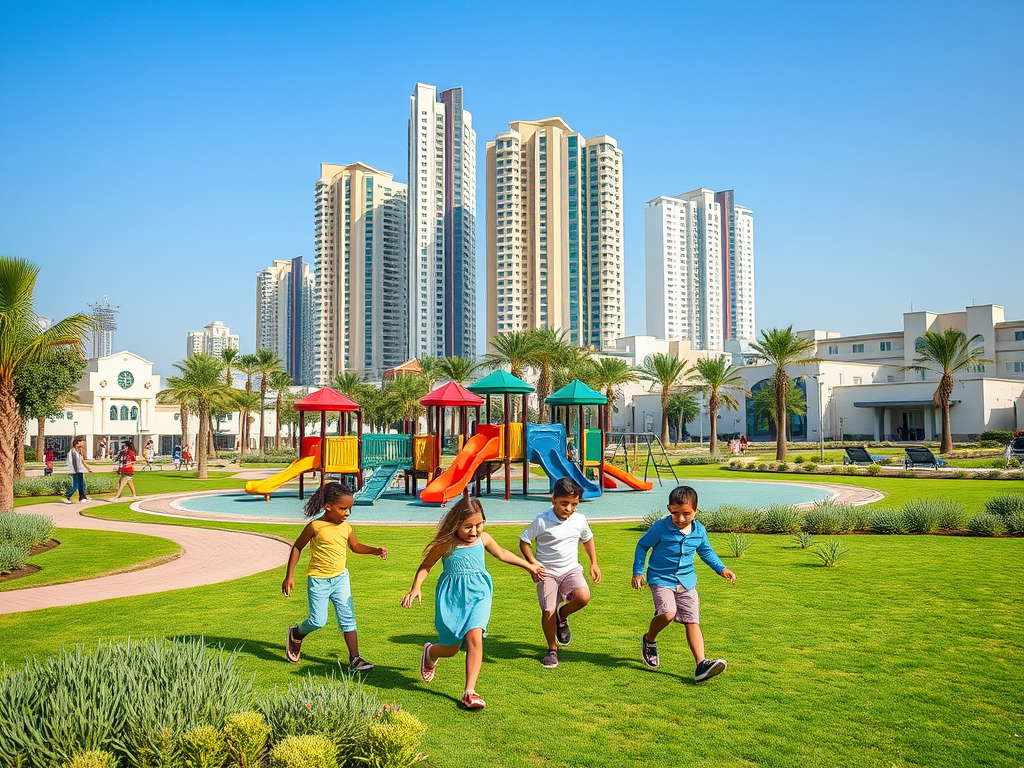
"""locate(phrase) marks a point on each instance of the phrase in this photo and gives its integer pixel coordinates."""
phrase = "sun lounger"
(858, 454)
(919, 456)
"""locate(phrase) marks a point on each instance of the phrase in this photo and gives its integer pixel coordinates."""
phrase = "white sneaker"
(84, 501)
(68, 501)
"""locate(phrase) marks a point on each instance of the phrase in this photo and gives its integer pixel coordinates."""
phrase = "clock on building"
(125, 379)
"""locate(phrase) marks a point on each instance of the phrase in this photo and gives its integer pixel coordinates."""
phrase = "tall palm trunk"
(263, 410)
(277, 423)
(945, 392)
(543, 389)
(211, 451)
(201, 440)
(19, 453)
(664, 415)
(610, 396)
(40, 437)
(781, 381)
(713, 418)
(9, 419)
(183, 417)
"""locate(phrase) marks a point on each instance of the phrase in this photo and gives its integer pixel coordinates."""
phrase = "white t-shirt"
(558, 541)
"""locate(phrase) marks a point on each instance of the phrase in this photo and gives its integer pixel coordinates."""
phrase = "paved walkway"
(208, 557)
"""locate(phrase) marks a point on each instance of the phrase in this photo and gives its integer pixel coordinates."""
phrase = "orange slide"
(610, 470)
(481, 447)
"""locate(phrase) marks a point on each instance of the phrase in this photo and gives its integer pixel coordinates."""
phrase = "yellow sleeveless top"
(328, 549)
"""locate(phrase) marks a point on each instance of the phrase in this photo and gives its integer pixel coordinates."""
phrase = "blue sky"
(163, 153)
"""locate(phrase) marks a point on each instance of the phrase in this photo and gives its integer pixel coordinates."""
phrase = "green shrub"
(94, 758)
(392, 741)
(851, 469)
(874, 469)
(310, 751)
(763, 467)
(987, 524)
(246, 737)
(828, 517)
(122, 698)
(961, 474)
(1001, 505)
(339, 709)
(887, 521)
(995, 474)
(700, 459)
(804, 539)
(12, 556)
(204, 747)
(737, 544)
(780, 518)
(1014, 522)
(58, 485)
(999, 436)
(997, 463)
(650, 518)
(798, 460)
(729, 517)
(810, 467)
(921, 515)
(782, 467)
(25, 530)
(31, 455)
(830, 552)
(888, 461)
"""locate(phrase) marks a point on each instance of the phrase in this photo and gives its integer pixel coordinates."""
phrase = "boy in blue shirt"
(673, 581)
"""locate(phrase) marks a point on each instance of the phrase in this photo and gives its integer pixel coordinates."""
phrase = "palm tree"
(430, 366)
(200, 382)
(185, 407)
(950, 351)
(609, 375)
(457, 369)
(21, 341)
(549, 350)
(511, 349)
(682, 408)
(279, 382)
(717, 379)
(404, 393)
(782, 348)
(247, 364)
(764, 405)
(665, 370)
(267, 363)
(245, 403)
(227, 357)
(348, 384)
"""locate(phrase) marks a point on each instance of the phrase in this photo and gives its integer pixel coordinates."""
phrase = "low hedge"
(58, 485)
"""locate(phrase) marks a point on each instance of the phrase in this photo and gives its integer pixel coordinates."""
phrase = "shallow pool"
(396, 507)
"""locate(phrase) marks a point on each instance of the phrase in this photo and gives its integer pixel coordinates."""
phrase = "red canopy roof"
(451, 395)
(326, 399)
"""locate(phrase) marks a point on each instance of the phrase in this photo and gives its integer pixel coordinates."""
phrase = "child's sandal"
(426, 668)
(472, 700)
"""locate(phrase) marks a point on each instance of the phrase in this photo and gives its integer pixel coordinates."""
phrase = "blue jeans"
(77, 483)
(336, 590)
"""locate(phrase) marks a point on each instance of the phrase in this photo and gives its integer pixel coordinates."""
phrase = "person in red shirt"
(126, 469)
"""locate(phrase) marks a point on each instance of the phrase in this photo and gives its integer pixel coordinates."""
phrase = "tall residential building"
(554, 236)
(361, 292)
(212, 340)
(699, 250)
(442, 224)
(284, 316)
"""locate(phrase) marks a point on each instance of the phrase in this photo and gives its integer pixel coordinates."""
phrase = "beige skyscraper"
(361, 272)
(554, 233)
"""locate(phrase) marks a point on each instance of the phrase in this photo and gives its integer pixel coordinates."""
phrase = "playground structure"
(655, 453)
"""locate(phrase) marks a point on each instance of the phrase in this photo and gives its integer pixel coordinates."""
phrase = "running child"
(673, 581)
(558, 533)
(462, 598)
(330, 539)
(126, 470)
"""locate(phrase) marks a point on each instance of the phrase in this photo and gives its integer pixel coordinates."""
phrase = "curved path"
(208, 557)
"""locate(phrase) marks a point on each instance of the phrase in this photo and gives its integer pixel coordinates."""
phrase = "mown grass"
(909, 654)
(87, 554)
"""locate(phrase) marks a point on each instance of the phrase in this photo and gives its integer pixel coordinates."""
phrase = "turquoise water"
(396, 507)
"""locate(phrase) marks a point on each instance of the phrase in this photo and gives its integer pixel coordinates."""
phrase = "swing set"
(630, 442)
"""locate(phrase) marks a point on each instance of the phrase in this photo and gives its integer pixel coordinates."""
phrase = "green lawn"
(147, 483)
(87, 554)
(908, 654)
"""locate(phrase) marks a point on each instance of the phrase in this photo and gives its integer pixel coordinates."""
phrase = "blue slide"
(545, 445)
(379, 482)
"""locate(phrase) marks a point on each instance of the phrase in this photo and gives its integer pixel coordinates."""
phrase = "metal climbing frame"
(633, 440)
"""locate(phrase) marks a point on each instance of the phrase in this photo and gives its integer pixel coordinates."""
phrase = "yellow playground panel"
(516, 446)
(424, 453)
(342, 455)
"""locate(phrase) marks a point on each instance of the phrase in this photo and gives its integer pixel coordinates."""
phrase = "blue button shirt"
(671, 563)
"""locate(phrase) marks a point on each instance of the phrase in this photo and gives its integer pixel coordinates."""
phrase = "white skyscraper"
(442, 225)
(212, 340)
(361, 293)
(272, 307)
(285, 316)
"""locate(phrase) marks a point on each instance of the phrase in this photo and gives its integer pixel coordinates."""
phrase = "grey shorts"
(684, 603)
(551, 588)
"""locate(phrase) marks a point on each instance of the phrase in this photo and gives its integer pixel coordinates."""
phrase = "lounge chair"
(858, 454)
(919, 456)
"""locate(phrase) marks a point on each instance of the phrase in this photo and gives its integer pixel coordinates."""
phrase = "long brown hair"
(448, 529)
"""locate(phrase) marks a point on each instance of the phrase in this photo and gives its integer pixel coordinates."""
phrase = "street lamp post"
(821, 433)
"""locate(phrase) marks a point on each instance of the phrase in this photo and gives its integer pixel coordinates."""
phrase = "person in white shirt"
(558, 534)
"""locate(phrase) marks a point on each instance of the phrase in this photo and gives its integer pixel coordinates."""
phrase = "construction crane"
(104, 323)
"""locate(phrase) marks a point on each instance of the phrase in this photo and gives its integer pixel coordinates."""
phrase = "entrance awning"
(901, 404)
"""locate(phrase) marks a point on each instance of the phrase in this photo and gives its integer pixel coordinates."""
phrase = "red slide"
(624, 477)
(481, 447)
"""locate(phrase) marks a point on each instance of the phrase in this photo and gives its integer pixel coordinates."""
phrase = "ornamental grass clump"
(780, 518)
(737, 544)
(94, 758)
(246, 736)
(133, 698)
(887, 521)
(1004, 504)
(920, 515)
(986, 524)
(804, 539)
(650, 518)
(729, 517)
(830, 552)
(203, 747)
(310, 751)
(12, 557)
(1014, 523)
(339, 709)
(828, 517)
(393, 741)
(25, 531)
(952, 514)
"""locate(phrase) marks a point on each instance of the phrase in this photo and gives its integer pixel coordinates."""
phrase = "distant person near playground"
(330, 538)
(125, 468)
(77, 467)
(186, 458)
(558, 534)
(673, 581)
(462, 603)
(743, 444)
(176, 457)
(48, 462)
(148, 455)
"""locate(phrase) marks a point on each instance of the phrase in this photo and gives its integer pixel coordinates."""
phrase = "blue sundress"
(462, 599)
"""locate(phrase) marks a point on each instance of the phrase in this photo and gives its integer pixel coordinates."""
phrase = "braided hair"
(326, 494)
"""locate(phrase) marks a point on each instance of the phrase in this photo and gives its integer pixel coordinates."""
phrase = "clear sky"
(162, 153)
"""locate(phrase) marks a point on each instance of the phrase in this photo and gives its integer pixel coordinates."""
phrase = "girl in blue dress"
(463, 595)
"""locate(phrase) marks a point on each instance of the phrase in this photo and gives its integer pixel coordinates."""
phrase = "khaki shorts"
(684, 603)
(550, 588)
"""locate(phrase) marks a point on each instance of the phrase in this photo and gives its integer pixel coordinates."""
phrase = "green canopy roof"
(576, 393)
(499, 383)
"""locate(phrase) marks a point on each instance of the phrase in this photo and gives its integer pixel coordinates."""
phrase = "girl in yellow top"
(330, 538)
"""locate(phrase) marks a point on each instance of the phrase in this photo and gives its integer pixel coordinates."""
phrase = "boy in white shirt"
(558, 533)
